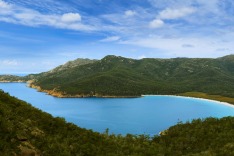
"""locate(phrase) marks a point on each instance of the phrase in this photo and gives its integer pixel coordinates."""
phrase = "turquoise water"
(146, 115)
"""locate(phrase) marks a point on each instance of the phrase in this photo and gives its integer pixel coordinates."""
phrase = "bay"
(146, 115)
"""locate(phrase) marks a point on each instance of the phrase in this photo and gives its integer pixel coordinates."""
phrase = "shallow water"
(146, 115)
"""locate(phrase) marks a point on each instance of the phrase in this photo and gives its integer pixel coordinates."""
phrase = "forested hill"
(27, 131)
(67, 66)
(119, 76)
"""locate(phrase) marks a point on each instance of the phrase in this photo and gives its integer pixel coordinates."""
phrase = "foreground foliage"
(25, 130)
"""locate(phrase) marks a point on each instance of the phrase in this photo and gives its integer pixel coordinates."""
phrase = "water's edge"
(56, 94)
(143, 115)
(190, 97)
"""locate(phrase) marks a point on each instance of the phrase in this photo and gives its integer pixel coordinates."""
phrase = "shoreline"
(190, 97)
(60, 94)
(55, 94)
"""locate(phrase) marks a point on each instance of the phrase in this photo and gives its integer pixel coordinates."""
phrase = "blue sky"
(37, 36)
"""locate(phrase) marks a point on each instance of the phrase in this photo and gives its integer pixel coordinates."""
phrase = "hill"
(11, 78)
(28, 131)
(60, 69)
(115, 76)
(119, 76)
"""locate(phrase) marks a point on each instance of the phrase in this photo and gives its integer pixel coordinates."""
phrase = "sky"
(36, 36)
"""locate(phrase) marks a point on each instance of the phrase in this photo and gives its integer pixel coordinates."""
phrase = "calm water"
(147, 115)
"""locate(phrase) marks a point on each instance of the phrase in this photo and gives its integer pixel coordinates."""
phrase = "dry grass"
(207, 96)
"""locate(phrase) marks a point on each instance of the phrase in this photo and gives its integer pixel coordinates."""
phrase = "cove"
(146, 115)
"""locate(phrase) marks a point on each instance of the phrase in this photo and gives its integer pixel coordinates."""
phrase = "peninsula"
(116, 76)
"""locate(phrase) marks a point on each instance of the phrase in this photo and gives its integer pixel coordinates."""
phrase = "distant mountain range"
(115, 76)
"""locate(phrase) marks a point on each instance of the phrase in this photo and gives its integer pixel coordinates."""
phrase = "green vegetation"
(10, 78)
(28, 131)
(60, 69)
(119, 76)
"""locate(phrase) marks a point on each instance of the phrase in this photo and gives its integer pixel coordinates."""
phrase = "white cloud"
(187, 46)
(9, 62)
(157, 23)
(135, 23)
(170, 14)
(111, 39)
(200, 47)
(130, 13)
(170, 3)
(203, 7)
(141, 57)
(4, 5)
(208, 4)
(5, 8)
(176, 13)
(20, 15)
(71, 17)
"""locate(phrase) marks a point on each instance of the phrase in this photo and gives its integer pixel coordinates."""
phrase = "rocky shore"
(56, 93)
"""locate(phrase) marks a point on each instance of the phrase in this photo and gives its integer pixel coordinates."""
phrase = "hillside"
(119, 76)
(28, 131)
(11, 78)
(115, 76)
(60, 69)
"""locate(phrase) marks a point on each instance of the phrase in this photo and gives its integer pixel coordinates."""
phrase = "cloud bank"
(173, 27)
(19, 15)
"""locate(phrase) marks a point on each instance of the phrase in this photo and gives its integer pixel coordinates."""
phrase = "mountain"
(115, 76)
(27, 131)
(11, 78)
(60, 69)
(119, 76)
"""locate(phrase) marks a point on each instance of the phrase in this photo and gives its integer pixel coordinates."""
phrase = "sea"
(147, 115)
